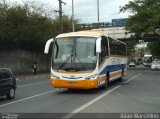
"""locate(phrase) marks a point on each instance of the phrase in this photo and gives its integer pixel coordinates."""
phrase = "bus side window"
(104, 49)
(116, 47)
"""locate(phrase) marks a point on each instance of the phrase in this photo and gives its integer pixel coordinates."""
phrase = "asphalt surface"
(139, 92)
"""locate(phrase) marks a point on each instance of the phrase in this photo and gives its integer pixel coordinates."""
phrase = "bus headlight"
(94, 76)
(54, 76)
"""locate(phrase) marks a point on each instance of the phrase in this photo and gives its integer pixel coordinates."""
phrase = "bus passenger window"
(116, 47)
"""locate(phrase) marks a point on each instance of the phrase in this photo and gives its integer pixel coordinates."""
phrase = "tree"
(28, 26)
(154, 48)
(23, 27)
(145, 19)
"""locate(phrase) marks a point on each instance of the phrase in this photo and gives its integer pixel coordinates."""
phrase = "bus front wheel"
(106, 85)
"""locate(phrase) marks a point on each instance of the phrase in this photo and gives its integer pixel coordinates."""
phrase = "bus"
(86, 60)
(147, 60)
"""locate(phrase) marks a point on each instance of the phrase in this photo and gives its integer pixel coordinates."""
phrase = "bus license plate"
(71, 83)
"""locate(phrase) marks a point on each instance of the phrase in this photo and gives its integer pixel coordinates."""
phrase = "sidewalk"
(32, 76)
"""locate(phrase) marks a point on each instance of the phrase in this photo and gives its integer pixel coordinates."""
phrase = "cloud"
(86, 10)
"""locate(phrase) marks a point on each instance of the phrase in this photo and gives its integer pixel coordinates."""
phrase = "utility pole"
(60, 16)
(73, 26)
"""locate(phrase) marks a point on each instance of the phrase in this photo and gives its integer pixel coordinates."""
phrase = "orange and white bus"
(86, 60)
(147, 60)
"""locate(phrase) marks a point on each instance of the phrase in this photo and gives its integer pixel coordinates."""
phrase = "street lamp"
(73, 26)
(98, 10)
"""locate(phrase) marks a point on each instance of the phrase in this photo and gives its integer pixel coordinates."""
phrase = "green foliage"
(154, 48)
(146, 16)
(28, 26)
(145, 19)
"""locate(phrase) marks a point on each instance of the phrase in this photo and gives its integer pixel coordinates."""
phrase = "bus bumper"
(80, 84)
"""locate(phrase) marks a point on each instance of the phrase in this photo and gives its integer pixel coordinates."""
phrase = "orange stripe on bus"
(79, 84)
(115, 74)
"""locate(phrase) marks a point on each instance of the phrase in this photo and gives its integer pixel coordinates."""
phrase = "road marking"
(95, 100)
(133, 78)
(28, 98)
(32, 84)
(145, 70)
(89, 103)
(128, 74)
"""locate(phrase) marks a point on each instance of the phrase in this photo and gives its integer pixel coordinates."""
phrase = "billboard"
(119, 22)
(115, 23)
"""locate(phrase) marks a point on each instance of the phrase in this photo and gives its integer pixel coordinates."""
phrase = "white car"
(132, 64)
(155, 65)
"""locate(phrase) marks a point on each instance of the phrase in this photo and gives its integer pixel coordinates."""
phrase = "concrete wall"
(21, 61)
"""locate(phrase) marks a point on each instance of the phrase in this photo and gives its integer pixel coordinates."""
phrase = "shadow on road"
(4, 99)
(79, 91)
(89, 91)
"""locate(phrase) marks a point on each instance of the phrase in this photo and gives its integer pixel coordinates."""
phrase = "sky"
(86, 10)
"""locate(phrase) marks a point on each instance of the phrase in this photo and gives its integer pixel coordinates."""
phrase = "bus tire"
(122, 76)
(106, 85)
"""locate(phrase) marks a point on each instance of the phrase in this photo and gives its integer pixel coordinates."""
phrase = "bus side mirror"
(47, 46)
(98, 45)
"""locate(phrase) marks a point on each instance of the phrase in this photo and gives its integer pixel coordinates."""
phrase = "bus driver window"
(104, 49)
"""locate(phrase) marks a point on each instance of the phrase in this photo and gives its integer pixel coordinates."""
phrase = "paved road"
(139, 92)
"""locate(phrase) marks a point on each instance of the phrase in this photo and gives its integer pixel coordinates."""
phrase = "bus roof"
(89, 33)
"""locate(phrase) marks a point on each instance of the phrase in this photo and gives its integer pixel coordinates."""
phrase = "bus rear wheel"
(122, 76)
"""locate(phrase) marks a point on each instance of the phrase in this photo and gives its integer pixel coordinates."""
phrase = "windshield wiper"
(71, 69)
(71, 56)
(65, 62)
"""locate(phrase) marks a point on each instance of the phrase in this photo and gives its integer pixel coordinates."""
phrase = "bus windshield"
(74, 53)
(147, 59)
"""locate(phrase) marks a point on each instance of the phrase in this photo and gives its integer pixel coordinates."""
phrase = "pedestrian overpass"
(119, 33)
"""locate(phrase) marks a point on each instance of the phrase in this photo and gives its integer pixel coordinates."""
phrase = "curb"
(33, 77)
